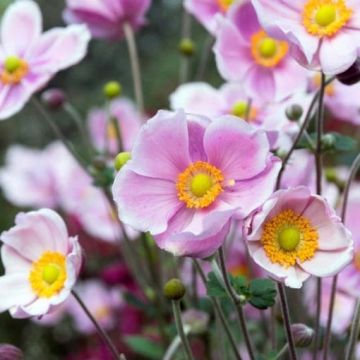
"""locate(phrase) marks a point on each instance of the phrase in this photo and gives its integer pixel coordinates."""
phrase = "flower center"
(267, 51)
(14, 70)
(289, 238)
(199, 185)
(357, 260)
(241, 110)
(48, 274)
(224, 4)
(325, 17)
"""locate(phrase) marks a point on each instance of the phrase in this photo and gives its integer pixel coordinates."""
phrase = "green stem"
(354, 334)
(185, 60)
(282, 352)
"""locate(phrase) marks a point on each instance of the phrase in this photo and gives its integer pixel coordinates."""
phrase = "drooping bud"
(10, 352)
(186, 47)
(121, 159)
(174, 289)
(294, 112)
(112, 89)
(352, 75)
(54, 99)
(303, 335)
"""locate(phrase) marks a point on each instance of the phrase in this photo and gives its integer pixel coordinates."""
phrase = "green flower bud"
(294, 112)
(303, 335)
(328, 142)
(112, 89)
(121, 159)
(186, 47)
(174, 289)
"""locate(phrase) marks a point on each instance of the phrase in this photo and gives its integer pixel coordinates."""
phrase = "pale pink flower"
(295, 235)
(106, 18)
(30, 58)
(41, 264)
(189, 176)
(324, 34)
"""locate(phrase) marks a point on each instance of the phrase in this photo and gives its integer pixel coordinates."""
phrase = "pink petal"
(260, 82)
(13, 262)
(12, 100)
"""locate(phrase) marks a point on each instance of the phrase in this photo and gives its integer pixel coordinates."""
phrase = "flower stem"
(282, 352)
(354, 334)
(180, 329)
(237, 303)
(135, 65)
(204, 60)
(220, 314)
(286, 317)
(185, 60)
(104, 337)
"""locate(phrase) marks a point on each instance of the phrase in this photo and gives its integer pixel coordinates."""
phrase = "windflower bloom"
(106, 18)
(30, 58)
(41, 264)
(295, 235)
(189, 176)
(324, 34)
(246, 53)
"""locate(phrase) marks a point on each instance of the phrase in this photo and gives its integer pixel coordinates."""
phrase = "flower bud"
(10, 352)
(294, 112)
(54, 99)
(352, 75)
(174, 289)
(112, 89)
(197, 320)
(328, 141)
(303, 335)
(186, 47)
(121, 159)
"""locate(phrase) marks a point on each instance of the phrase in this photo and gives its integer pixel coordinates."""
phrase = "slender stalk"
(317, 317)
(102, 334)
(237, 303)
(180, 329)
(286, 317)
(135, 65)
(248, 109)
(327, 339)
(220, 314)
(173, 347)
(282, 352)
(354, 334)
(204, 60)
(185, 60)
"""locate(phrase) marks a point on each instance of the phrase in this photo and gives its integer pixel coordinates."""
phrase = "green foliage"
(263, 293)
(144, 347)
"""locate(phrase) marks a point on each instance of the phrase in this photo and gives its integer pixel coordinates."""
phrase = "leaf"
(144, 346)
(214, 287)
(262, 293)
(240, 284)
(343, 142)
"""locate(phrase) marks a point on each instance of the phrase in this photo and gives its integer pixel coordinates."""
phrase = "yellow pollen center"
(48, 274)
(14, 70)
(325, 17)
(199, 185)
(241, 110)
(289, 238)
(267, 51)
(224, 4)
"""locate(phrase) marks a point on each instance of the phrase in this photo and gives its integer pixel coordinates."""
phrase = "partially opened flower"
(246, 53)
(41, 264)
(30, 58)
(106, 18)
(295, 235)
(189, 176)
(324, 34)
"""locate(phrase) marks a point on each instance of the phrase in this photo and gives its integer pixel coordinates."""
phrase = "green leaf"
(240, 284)
(262, 293)
(343, 142)
(214, 287)
(144, 346)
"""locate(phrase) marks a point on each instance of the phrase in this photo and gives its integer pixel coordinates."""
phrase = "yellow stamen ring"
(48, 274)
(224, 4)
(325, 17)
(241, 109)
(288, 238)
(199, 185)
(14, 70)
(267, 51)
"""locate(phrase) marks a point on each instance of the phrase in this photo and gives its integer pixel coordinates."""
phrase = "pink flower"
(41, 264)
(324, 34)
(102, 131)
(28, 58)
(246, 53)
(295, 235)
(106, 18)
(189, 176)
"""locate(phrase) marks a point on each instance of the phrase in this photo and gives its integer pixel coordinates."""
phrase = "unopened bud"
(54, 99)
(112, 89)
(328, 141)
(352, 75)
(294, 112)
(303, 335)
(174, 289)
(121, 159)
(10, 352)
(186, 47)
(331, 176)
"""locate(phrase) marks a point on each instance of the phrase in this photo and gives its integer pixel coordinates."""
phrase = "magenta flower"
(246, 53)
(189, 176)
(295, 235)
(41, 264)
(28, 58)
(324, 34)
(105, 18)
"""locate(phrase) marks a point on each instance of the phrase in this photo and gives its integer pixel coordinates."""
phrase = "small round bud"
(328, 141)
(150, 294)
(112, 89)
(186, 47)
(174, 289)
(54, 99)
(10, 352)
(294, 112)
(303, 335)
(331, 176)
(352, 75)
(121, 159)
